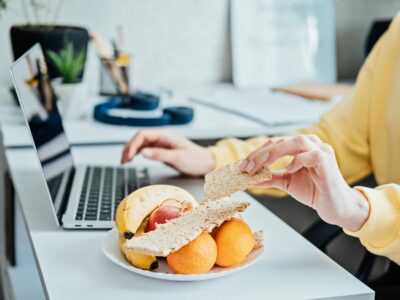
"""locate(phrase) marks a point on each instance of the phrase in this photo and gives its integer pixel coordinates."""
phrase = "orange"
(197, 257)
(235, 240)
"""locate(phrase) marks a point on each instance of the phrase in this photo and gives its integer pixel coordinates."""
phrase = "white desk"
(208, 123)
(72, 266)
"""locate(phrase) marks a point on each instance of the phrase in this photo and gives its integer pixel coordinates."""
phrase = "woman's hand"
(175, 151)
(313, 178)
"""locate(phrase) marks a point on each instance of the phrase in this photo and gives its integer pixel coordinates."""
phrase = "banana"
(132, 216)
(138, 205)
(137, 259)
(120, 220)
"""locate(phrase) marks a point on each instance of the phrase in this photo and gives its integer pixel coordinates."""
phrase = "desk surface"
(72, 266)
(208, 123)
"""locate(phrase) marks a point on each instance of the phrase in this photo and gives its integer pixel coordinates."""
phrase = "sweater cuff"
(382, 225)
(222, 156)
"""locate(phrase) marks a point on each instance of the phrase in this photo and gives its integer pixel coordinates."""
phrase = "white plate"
(112, 251)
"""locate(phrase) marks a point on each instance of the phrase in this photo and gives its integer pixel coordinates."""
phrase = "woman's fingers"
(293, 146)
(255, 159)
(290, 146)
(167, 156)
(314, 138)
(280, 179)
(261, 158)
(245, 163)
(312, 159)
(131, 148)
(139, 140)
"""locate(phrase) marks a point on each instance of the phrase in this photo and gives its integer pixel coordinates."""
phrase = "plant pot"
(50, 38)
(72, 100)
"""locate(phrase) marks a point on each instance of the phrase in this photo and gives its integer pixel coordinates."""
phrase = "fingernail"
(243, 165)
(265, 157)
(147, 153)
(250, 166)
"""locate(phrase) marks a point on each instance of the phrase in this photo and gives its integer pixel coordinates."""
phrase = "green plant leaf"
(54, 59)
(67, 62)
(78, 64)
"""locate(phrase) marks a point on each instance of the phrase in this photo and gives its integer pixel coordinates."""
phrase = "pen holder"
(114, 75)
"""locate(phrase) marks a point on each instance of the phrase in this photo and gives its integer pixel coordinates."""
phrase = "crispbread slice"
(229, 179)
(178, 232)
(258, 239)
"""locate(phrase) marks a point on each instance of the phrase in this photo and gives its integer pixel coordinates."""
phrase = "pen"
(110, 63)
(115, 48)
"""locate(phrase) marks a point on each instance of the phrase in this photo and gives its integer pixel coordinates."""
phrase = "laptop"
(83, 196)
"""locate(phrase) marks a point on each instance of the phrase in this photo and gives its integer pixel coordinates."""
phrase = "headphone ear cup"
(142, 101)
(179, 115)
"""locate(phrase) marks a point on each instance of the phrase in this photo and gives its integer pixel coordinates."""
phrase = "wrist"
(210, 164)
(359, 211)
(207, 161)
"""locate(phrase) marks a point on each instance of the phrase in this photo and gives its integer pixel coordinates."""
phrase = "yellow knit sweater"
(364, 130)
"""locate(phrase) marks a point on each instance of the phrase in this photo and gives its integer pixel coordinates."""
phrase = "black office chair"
(375, 31)
(322, 234)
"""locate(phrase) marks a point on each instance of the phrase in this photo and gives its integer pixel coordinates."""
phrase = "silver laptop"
(83, 197)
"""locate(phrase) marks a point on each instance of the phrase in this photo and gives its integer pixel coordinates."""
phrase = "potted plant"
(41, 17)
(72, 94)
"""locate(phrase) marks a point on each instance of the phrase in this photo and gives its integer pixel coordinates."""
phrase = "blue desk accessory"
(176, 115)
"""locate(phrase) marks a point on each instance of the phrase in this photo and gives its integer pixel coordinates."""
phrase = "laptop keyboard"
(104, 188)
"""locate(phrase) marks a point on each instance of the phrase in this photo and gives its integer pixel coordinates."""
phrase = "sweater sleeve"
(346, 126)
(381, 232)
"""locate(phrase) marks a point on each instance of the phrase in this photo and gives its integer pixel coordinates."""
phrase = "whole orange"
(235, 240)
(197, 257)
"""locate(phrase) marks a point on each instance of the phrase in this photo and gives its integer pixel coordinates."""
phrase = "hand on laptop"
(170, 148)
(313, 178)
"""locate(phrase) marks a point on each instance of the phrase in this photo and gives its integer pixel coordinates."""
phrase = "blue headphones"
(177, 115)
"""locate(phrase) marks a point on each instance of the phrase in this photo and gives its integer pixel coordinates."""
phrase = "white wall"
(172, 40)
(187, 41)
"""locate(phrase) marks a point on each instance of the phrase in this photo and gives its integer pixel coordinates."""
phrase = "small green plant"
(68, 62)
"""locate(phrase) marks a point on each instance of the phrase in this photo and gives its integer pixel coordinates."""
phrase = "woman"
(358, 137)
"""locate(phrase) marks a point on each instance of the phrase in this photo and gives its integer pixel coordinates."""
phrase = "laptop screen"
(38, 102)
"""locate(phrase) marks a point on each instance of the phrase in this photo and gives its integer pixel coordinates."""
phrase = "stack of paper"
(265, 107)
